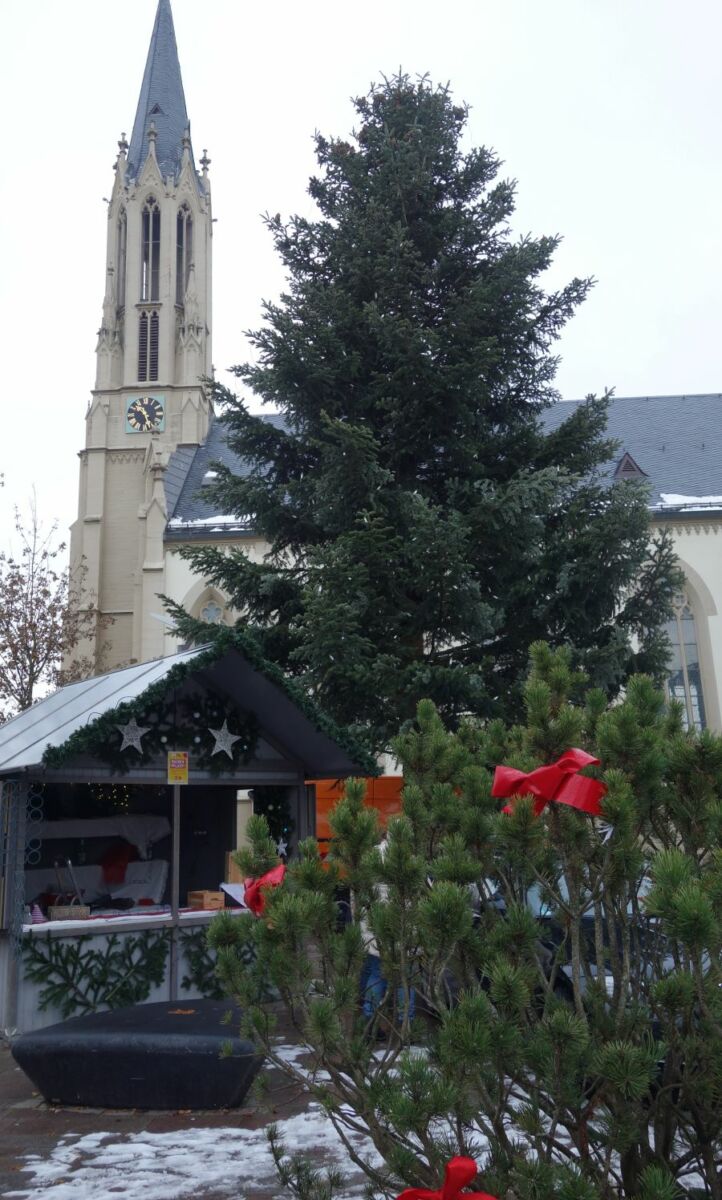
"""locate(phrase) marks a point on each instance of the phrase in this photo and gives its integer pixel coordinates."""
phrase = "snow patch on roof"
(675, 500)
(218, 519)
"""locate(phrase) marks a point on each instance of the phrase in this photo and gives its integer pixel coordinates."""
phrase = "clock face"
(145, 414)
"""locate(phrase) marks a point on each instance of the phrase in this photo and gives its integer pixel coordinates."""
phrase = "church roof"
(673, 442)
(161, 100)
(676, 441)
(189, 511)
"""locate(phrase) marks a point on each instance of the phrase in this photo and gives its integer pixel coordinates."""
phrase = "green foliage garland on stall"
(100, 738)
(78, 979)
(184, 724)
(75, 979)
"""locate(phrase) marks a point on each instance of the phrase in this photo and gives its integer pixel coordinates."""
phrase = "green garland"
(115, 974)
(100, 738)
(76, 979)
(184, 725)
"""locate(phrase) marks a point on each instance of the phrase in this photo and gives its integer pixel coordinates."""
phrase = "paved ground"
(64, 1152)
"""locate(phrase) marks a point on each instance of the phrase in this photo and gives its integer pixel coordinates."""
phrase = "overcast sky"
(606, 112)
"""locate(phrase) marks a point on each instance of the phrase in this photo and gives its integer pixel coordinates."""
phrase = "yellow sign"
(177, 766)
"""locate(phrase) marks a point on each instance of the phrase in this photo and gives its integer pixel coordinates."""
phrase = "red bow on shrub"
(559, 782)
(255, 888)
(457, 1173)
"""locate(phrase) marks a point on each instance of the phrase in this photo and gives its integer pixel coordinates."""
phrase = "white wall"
(187, 589)
(698, 545)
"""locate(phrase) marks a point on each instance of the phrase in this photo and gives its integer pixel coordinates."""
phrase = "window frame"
(184, 252)
(150, 252)
(148, 345)
(693, 701)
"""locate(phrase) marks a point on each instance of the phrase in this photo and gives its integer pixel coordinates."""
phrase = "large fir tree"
(424, 528)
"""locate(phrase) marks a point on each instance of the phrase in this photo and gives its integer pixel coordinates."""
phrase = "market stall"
(109, 873)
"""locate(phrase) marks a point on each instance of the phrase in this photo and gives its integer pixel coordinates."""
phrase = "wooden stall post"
(177, 776)
(175, 894)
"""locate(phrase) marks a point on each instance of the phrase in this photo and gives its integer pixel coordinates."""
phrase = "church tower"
(153, 352)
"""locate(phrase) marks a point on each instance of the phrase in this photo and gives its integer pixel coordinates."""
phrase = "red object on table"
(115, 862)
(458, 1172)
(559, 782)
(255, 888)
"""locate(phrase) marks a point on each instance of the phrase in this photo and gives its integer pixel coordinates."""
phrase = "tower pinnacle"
(161, 101)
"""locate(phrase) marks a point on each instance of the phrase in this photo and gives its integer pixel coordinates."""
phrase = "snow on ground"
(171, 1166)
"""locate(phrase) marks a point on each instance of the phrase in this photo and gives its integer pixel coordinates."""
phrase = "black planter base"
(148, 1056)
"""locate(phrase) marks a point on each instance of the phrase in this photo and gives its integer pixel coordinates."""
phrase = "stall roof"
(234, 664)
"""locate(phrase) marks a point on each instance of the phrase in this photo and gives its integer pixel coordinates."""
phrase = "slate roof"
(676, 441)
(176, 474)
(161, 100)
(188, 510)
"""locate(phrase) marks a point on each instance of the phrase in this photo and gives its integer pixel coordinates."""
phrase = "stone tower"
(153, 352)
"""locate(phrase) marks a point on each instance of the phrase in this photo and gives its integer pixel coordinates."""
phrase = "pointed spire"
(161, 100)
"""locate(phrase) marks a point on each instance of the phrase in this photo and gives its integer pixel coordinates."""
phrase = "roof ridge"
(662, 396)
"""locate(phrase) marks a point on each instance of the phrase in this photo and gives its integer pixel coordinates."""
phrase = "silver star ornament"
(281, 848)
(132, 733)
(224, 740)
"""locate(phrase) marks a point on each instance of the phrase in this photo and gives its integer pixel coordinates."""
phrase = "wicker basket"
(69, 912)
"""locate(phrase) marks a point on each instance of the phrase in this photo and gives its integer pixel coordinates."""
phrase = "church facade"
(151, 440)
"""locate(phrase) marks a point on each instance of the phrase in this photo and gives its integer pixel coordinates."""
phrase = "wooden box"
(206, 900)
(68, 912)
(233, 871)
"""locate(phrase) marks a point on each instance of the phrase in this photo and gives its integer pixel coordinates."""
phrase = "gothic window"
(121, 257)
(148, 330)
(212, 613)
(684, 682)
(184, 252)
(150, 251)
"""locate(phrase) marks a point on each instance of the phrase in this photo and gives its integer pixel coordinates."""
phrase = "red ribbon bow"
(559, 782)
(457, 1173)
(254, 896)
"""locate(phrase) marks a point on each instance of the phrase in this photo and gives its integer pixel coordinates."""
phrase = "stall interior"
(108, 847)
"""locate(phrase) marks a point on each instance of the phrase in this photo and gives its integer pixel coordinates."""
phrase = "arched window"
(121, 255)
(212, 613)
(685, 680)
(210, 607)
(150, 251)
(148, 347)
(184, 252)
